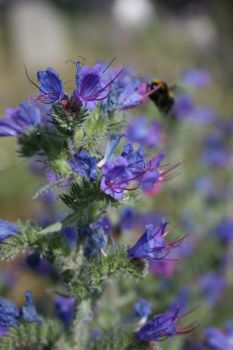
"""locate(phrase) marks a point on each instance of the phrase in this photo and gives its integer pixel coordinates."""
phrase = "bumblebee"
(163, 96)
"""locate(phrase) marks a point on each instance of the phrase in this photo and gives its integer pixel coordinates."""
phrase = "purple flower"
(184, 106)
(129, 168)
(164, 326)
(145, 174)
(217, 339)
(142, 308)
(51, 86)
(19, 120)
(64, 309)
(7, 229)
(139, 130)
(152, 245)
(225, 230)
(91, 84)
(28, 312)
(211, 286)
(84, 165)
(115, 177)
(196, 78)
(214, 152)
(202, 115)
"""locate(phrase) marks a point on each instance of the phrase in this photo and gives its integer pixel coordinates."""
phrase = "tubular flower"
(51, 86)
(164, 326)
(28, 312)
(115, 177)
(129, 168)
(19, 120)
(7, 229)
(152, 244)
(91, 84)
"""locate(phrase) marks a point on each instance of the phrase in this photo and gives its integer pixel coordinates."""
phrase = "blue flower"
(164, 326)
(128, 218)
(95, 242)
(28, 312)
(51, 86)
(132, 95)
(9, 314)
(64, 309)
(84, 165)
(7, 229)
(18, 120)
(142, 308)
(152, 245)
(70, 234)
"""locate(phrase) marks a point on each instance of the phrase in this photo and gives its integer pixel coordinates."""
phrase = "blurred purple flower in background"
(142, 308)
(215, 153)
(211, 286)
(145, 133)
(7, 229)
(220, 339)
(64, 309)
(224, 230)
(196, 78)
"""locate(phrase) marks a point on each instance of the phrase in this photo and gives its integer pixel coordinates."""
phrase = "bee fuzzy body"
(162, 97)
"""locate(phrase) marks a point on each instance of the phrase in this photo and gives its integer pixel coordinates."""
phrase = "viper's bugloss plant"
(100, 161)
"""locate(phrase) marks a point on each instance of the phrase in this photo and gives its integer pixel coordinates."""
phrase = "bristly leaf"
(43, 140)
(93, 276)
(84, 194)
(119, 338)
(67, 121)
(31, 238)
(32, 336)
